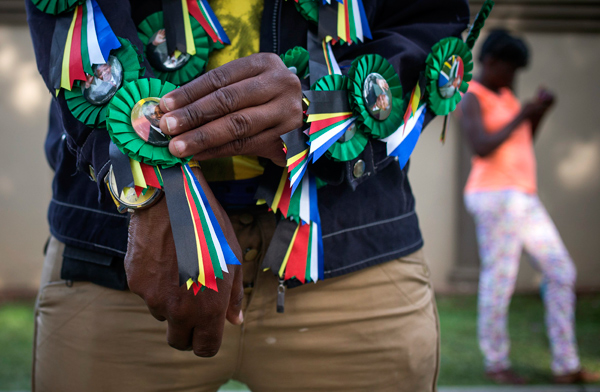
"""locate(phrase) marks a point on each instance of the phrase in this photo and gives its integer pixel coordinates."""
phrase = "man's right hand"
(195, 322)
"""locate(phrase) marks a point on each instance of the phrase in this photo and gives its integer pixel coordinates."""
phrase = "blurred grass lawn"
(461, 362)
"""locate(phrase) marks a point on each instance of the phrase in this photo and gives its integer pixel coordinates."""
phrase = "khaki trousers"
(371, 330)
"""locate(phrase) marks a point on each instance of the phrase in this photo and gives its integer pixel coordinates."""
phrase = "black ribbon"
(181, 224)
(327, 101)
(174, 28)
(57, 50)
(316, 63)
(328, 19)
(295, 142)
(120, 167)
(279, 245)
(269, 182)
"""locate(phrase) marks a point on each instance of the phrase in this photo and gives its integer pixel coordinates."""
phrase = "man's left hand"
(240, 108)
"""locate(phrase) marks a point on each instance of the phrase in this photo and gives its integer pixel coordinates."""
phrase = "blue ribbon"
(106, 37)
(364, 21)
(227, 252)
(405, 149)
(218, 26)
(316, 218)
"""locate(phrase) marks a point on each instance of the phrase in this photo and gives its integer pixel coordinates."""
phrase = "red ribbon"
(194, 10)
(75, 63)
(297, 262)
(209, 273)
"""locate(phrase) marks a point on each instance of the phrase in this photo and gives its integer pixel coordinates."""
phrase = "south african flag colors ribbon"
(80, 41)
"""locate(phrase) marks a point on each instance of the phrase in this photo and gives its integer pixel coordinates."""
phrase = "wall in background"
(24, 174)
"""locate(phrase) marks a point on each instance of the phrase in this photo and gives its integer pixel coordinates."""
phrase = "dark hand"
(194, 322)
(535, 109)
(240, 108)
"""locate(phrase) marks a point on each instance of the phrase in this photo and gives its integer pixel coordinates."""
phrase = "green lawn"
(461, 360)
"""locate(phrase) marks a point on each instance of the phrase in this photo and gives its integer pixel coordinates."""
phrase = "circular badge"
(349, 134)
(128, 197)
(451, 76)
(107, 78)
(159, 56)
(145, 120)
(377, 96)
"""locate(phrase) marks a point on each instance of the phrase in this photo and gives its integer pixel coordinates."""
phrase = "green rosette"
(309, 9)
(55, 7)
(440, 52)
(361, 68)
(196, 63)
(118, 121)
(351, 148)
(297, 58)
(95, 115)
(479, 22)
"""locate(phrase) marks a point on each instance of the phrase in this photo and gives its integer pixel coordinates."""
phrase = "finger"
(266, 144)
(232, 72)
(208, 336)
(179, 336)
(246, 93)
(156, 313)
(234, 310)
(239, 125)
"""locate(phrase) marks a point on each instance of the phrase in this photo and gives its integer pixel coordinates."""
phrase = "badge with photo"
(448, 71)
(178, 40)
(88, 99)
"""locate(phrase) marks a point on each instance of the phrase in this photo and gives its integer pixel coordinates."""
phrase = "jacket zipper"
(274, 25)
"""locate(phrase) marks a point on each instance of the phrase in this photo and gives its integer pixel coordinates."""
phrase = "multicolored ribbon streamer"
(87, 41)
(346, 21)
(201, 11)
(304, 257)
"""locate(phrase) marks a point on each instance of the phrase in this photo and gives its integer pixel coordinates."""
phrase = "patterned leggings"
(506, 222)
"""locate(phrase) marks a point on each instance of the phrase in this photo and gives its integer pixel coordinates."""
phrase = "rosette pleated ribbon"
(296, 59)
(93, 113)
(55, 7)
(190, 30)
(202, 250)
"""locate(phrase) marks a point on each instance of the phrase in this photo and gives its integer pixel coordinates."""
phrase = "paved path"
(531, 388)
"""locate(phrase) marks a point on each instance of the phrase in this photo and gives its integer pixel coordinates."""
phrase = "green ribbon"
(195, 65)
(479, 22)
(94, 116)
(298, 58)
(309, 9)
(349, 149)
(361, 68)
(118, 121)
(435, 61)
(55, 7)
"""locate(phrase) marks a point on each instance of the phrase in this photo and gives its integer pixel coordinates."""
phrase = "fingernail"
(171, 124)
(241, 317)
(168, 102)
(179, 146)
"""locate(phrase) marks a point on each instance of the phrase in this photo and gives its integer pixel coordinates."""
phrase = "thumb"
(234, 310)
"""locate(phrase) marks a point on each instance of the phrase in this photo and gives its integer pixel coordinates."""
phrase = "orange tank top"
(512, 165)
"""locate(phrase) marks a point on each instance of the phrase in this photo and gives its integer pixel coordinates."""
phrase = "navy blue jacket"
(366, 221)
